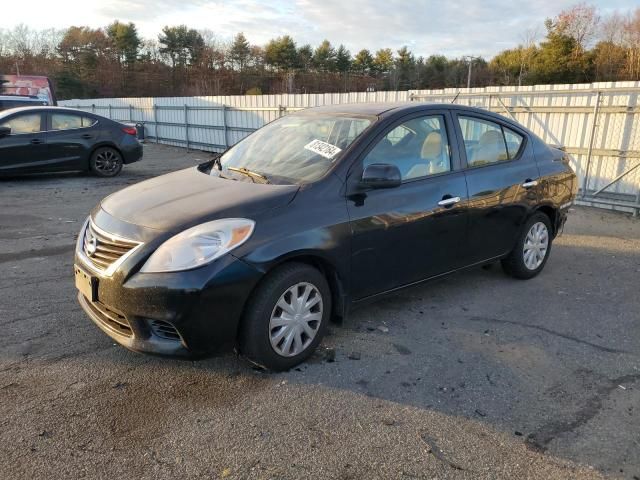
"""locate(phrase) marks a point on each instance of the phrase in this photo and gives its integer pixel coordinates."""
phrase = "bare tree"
(631, 39)
(609, 55)
(527, 51)
(579, 22)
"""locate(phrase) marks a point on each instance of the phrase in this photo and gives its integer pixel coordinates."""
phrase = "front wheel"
(530, 254)
(286, 317)
(106, 162)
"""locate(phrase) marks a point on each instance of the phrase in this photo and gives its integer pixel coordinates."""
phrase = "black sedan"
(311, 215)
(55, 139)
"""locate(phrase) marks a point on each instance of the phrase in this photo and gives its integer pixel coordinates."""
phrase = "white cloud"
(426, 26)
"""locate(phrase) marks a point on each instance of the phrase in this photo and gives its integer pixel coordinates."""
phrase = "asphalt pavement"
(475, 376)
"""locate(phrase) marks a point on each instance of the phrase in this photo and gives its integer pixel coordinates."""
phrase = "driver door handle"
(529, 183)
(448, 202)
(36, 141)
(87, 135)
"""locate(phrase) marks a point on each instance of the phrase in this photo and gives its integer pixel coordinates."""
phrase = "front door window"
(418, 147)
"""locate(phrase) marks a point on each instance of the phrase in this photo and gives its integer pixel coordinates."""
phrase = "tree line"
(579, 45)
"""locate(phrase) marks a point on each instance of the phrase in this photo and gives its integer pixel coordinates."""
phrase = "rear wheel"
(530, 255)
(106, 162)
(286, 317)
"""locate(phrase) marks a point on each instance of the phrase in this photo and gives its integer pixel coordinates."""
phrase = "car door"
(502, 178)
(71, 137)
(416, 230)
(25, 148)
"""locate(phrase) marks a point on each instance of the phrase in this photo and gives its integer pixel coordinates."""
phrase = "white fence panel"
(598, 124)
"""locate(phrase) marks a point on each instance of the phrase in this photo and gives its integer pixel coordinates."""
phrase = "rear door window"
(488, 142)
(514, 142)
(65, 121)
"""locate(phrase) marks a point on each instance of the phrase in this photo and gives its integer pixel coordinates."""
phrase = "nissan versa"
(310, 215)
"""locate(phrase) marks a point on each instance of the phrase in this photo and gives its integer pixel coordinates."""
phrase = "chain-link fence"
(597, 124)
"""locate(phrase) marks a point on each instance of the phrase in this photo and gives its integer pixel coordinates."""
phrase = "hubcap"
(536, 245)
(295, 319)
(107, 161)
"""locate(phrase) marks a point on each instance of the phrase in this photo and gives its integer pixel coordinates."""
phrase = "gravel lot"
(477, 376)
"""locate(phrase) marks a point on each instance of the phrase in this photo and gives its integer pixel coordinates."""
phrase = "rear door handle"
(36, 141)
(529, 183)
(448, 202)
(87, 135)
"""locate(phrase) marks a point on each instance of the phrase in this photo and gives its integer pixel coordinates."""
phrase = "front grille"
(109, 317)
(164, 330)
(102, 249)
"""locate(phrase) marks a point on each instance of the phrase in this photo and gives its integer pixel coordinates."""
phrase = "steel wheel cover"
(536, 245)
(295, 320)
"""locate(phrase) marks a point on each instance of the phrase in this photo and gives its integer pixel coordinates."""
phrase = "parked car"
(54, 139)
(15, 101)
(311, 215)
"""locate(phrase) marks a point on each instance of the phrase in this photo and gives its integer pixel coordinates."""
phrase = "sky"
(452, 28)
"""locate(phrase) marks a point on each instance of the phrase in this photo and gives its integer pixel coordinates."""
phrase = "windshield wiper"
(249, 173)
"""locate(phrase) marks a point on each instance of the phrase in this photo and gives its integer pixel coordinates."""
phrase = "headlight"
(199, 245)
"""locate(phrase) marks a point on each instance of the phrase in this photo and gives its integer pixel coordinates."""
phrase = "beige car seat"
(432, 155)
(491, 148)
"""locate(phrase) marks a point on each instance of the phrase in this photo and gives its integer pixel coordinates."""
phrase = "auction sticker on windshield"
(323, 148)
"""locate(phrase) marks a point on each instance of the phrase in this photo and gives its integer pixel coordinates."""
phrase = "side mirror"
(4, 131)
(381, 175)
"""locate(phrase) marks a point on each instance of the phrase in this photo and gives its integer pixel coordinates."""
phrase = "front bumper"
(191, 314)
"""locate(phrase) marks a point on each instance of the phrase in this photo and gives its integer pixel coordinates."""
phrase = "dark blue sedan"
(55, 139)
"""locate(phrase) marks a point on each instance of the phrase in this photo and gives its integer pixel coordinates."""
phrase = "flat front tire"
(531, 252)
(286, 317)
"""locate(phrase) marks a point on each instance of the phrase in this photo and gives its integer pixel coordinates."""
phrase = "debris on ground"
(329, 355)
(401, 349)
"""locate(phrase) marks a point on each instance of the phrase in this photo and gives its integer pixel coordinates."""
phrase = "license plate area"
(87, 284)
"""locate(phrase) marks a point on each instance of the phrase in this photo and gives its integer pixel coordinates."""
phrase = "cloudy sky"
(453, 28)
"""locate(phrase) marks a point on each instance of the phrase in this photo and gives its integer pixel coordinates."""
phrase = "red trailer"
(28, 86)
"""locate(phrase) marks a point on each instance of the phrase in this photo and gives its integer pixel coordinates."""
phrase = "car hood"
(187, 197)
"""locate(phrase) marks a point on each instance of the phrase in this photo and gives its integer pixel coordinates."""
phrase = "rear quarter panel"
(559, 183)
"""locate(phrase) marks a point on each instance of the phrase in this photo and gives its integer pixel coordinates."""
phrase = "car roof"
(42, 108)
(27, 98)
(398, 109)
(381, 109)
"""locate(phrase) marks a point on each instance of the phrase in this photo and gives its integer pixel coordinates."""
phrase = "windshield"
(292, 150)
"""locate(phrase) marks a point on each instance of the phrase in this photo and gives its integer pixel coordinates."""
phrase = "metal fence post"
(130, 113)
(155, 121)
(224, 126)
(93, 108)
(592, 138)
(186, 124)
(110, 111)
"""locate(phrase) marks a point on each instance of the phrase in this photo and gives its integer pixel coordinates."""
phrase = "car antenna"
(456, 97)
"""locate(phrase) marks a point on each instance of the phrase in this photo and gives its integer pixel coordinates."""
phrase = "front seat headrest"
(432, 146)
